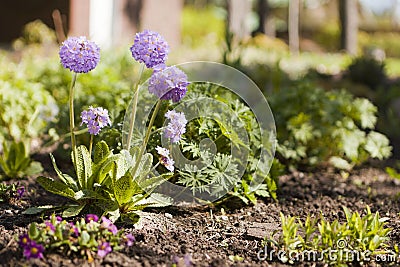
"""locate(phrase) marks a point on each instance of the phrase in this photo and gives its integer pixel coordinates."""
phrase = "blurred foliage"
(203, 26)
(367, 70)
(325, 127)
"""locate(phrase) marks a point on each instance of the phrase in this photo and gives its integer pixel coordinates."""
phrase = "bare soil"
(213, 236)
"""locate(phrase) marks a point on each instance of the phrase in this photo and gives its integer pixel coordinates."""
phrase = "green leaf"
(73, 211)
(39, 209)
(101, 151)
(83, 166)
(35, 167)
(33, 231)
(56, 187)
(124, 188)
(378, 145)
(340, 163)
(150, 184)
(65, 178)
(144, 168)
(155, 200)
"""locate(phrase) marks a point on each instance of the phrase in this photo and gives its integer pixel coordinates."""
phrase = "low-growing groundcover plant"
(326, 127)
(358, 239)
(88, 237)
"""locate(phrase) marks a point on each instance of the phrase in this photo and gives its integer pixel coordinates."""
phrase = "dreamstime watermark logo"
(194, 108)
(341, 253)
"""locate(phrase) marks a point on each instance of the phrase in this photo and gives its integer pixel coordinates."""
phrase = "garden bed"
(227, 235)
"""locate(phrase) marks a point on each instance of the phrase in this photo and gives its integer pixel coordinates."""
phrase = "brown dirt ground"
(209, 235)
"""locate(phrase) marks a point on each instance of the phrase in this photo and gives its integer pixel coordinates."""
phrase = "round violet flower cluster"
(150, 48)
(96, 119)
(79, 54)
(176, 127)
(169, 84)
(165, 159)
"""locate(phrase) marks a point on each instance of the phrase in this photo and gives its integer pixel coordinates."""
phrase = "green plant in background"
(25, 111)
(367, 70)
(319, 127)
(335, 242)
(90, 237)
(11, 192)
(15, 161)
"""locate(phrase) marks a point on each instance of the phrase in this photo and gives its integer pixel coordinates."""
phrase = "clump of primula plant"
(116, 185)
(90, 237)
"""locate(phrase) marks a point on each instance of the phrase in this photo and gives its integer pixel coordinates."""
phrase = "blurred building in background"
(108, 22)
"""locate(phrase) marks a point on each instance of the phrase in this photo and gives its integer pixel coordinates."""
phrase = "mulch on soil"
(213, 236)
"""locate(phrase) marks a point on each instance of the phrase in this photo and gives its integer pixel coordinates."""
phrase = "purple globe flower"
(176, 127)
(149, 48)
(96, 119)
(169, 84)
(165, 159)
(79, 54)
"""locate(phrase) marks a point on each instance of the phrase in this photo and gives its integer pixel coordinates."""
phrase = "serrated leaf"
(149, 184)
(65, 178)
(144, 168)
(101, 151)
(124, 188)
(39, 209)
(83, 166)
(155, 200)
(73, 211)
(378, 145)
(56, 187)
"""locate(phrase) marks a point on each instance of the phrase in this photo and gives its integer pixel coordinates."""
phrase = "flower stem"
(146, 137)
(90, 145)
(71, 117)
(134, 107)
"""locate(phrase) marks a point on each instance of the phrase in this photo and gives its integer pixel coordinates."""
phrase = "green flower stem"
(134, 107)
(71, 116)
(90, 145)
(146, 137)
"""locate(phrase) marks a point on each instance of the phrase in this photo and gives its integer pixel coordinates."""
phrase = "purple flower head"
(24, 241)
(107, 224)
(79, 54)
(129, 239)
(20, 192)
(103, 249)
(165, 159)
(33, 250)
(96, 119)
(169, 84)
(91, 217)
(149, 48)
(176, 127)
